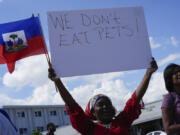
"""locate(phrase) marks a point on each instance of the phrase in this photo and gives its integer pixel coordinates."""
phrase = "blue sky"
(29, 83)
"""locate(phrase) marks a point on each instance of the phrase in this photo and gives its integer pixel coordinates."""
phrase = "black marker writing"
(137, 28)
(76, 39)
(127, 31)
(61, 21)
(100, 31)
(86, 20)
(62, 41)
(116, 19)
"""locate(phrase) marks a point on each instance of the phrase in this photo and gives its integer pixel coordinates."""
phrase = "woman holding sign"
(101, 110)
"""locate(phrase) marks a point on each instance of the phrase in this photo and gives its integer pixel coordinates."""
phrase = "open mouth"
(178, 76)
(107, 114)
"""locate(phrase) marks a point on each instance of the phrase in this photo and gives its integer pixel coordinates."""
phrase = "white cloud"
(42, 95)
(83, 93)
(29, 71)
(174, 41)
(5, 100)
(156, 88)
(169, 58)
(153, 44)
(116, 90)
(46, 94)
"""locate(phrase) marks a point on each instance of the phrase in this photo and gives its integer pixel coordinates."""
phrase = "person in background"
(99, 117)
(6, 125)
(51, 128)
(171, 102)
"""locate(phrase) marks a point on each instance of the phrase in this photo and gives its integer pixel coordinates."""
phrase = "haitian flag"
(20, 39)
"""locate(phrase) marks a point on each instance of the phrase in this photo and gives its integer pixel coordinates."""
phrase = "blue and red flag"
(20, 39)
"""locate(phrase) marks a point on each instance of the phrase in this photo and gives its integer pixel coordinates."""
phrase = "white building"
(149, 120)
(28, 118)
(64, 130)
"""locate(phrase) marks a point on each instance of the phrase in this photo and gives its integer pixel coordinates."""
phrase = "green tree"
(36, 132)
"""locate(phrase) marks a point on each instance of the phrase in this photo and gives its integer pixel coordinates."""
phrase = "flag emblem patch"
(14, 41)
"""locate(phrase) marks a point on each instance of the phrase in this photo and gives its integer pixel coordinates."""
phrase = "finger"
(51, 70)
(52, 78)
(153, 64)
(49, 75)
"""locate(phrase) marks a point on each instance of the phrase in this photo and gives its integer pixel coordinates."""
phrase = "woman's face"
(104, 110)
(176, 77)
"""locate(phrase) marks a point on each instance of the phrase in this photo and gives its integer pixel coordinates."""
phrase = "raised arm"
(78, 120)
(140, 91)
(66, 96)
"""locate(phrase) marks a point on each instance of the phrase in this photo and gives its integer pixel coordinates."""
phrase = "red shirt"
(120, 125)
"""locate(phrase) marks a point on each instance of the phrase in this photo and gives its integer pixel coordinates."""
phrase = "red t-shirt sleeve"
(79, 120)
(131, 111)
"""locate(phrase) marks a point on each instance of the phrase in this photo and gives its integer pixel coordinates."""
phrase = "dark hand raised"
(52, 74)
(153, 67)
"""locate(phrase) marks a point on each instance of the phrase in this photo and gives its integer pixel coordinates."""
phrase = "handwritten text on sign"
(86, 41)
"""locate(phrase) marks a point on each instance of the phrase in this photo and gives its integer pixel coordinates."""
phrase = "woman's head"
(51, 128)
(100, 108)
(170, 76)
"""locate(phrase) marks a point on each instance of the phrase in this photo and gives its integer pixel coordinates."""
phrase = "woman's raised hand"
(52, 74)
(153, 67)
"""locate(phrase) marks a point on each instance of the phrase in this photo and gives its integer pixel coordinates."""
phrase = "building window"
(40, 129)
(53, 113)
(20, 114)
(37, 114)
(22, 131)
(150, 108)
(65, 112)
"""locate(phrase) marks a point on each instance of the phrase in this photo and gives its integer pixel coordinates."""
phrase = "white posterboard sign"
(95, 41)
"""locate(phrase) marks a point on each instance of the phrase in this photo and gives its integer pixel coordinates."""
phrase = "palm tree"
(13, 36)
